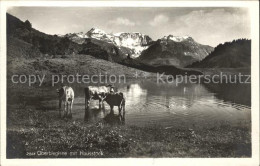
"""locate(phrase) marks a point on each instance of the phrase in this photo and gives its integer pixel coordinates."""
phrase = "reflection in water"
(235, 93)
(95, 114)
(149, 103)
(113, 119)
(183, 105)
(134, 94)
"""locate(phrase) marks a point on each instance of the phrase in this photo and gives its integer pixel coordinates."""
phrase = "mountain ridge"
(136, 42)
(176, 51)
(234, 54)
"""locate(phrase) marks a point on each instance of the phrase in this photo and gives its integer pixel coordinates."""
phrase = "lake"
(149, 104)
(168, 105)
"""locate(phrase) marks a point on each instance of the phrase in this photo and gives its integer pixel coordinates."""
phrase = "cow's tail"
(122, 104)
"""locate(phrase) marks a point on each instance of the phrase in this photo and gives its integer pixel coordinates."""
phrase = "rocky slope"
(175, 50)
(235, 54)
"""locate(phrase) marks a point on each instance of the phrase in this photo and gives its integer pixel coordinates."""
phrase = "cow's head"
(60, 92)
(109, 85)
(112, 88)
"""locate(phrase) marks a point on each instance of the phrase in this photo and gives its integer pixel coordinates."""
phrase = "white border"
(254, 12)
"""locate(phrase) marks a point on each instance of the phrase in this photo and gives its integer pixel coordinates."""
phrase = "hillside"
(46, 44)
(76, 64)
(174, 50)
(25, 44)
(166, 69)
(54, 45)
(235, 54)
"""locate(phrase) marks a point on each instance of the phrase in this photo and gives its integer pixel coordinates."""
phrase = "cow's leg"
(119, 114)
(60, 107)
(103, 109)
(65, 108)
(100, 100)
(123, 107)
(119, 109)
(71, 105)
(85, 103)
(111, 109)
(88, 103)
(68, 109)
(122, 112)
(99, 103)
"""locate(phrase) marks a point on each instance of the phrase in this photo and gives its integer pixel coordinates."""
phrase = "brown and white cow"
(97, 93)
(66, 95)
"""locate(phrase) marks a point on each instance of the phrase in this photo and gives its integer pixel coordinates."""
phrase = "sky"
(210, 26)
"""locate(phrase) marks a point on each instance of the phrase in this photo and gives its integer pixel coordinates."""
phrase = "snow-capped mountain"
(136, 42)
(169, 50)
(176, 38)
(175, 50)
(99, 34)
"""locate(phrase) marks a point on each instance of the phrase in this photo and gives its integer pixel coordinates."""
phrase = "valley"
(162, 119)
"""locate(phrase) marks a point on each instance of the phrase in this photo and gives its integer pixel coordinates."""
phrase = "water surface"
(185, 105)
(149, 103)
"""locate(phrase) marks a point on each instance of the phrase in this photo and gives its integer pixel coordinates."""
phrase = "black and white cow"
(97, 93)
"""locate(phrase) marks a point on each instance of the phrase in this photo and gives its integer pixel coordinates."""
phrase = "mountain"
(235, 54)
(174, 50)
(76, 37)
(31, 41)
(136, 41)
(129, 43)
(102, 49)
(26, 44)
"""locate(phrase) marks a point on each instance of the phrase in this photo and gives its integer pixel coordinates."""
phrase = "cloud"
(214, 26)
(75, 26)
(122, 21)
(159, 20)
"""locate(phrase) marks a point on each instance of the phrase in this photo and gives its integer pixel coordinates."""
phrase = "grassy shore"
(74, 64)
(36, 133)
(224, 71)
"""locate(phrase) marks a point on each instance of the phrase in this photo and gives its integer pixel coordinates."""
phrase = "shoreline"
(32, 130)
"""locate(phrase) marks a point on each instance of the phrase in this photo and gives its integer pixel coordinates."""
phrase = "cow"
(66, 95)
(97, 93)
(116, 99)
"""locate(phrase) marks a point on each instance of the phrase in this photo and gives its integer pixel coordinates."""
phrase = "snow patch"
(178, 38)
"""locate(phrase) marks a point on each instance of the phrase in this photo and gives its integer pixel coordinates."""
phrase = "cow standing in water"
(66, 95)
(116, 99)
(97, 93)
